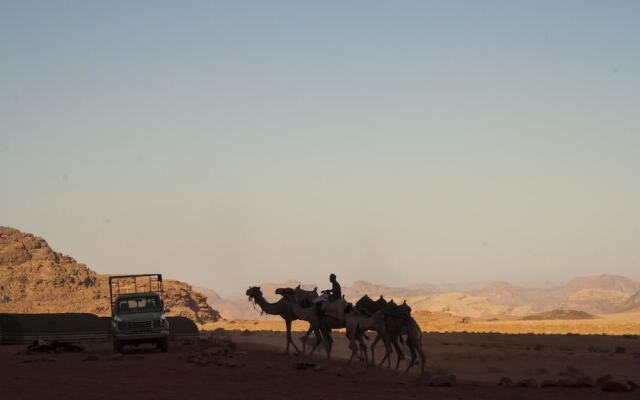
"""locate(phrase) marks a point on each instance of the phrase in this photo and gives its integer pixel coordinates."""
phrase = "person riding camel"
(335, 293)
(330, 302)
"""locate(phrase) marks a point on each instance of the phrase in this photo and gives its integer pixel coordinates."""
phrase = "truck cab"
(138, 311)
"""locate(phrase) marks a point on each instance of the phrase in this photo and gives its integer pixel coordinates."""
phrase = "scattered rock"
(542, 371)
(343, 371)
(570, 370)
(199, 360)
(319, 368)
(527, 383)
(547, 383)
(43, 346)
(620, 350)
(603, 379)
(584, 382)
(614, 386)
(444, 381)
(594, 349)
(565, 383)
(303, 366)
(632, 385)
(505, 381)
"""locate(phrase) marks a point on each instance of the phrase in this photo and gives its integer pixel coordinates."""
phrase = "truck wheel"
(117, 346)
(164, 345)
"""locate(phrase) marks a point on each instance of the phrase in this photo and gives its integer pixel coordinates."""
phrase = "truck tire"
(164, 345)
(117, 346)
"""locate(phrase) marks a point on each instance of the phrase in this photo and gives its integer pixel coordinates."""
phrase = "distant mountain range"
(600, 294)
(34, 278)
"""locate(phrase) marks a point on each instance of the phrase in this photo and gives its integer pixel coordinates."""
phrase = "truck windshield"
(139, 304)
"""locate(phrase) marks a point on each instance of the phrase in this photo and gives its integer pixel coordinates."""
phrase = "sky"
(233, 143)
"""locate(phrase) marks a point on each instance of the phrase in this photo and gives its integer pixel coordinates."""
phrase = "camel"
(301, 303)
(294, 298)
(357, 323)
(398, 322)
(281, 308)
(367, 306)
(398, 326)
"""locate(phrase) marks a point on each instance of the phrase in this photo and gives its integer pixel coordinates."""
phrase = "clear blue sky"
(232, 143)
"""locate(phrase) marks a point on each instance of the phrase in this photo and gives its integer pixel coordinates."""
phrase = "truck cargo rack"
(129, 284)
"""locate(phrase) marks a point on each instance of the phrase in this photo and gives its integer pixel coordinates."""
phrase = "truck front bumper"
(140, 336)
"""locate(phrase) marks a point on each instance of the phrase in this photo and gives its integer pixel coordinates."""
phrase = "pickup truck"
(138, 311)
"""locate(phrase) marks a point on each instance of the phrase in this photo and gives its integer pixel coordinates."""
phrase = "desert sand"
(256, 368)
(608, 324)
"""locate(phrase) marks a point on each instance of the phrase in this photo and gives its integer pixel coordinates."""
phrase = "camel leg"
(422, 360)
(413, 360)
(354, 351)
(420, 352)
(289, 339)
(326, 336)
(318, 341)
(288, 326)
(363, 349)
(414, 355)
(305, 338)
(351, 333)
(385, 340)
(387, 356)
(373, 349)
(399, 351)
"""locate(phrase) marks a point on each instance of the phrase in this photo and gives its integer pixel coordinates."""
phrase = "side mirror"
(167, 309)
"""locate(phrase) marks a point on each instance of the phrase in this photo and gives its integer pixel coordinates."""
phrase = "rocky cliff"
(36, 279)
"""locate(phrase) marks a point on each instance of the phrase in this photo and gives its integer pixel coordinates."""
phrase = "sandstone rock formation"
(632, 303)
(36, 279)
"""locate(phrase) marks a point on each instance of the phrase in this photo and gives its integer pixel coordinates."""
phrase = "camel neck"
(270, 308)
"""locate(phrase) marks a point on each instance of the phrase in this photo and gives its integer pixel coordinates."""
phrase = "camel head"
(254, 293)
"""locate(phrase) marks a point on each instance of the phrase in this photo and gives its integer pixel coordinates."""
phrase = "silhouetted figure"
(335, 293)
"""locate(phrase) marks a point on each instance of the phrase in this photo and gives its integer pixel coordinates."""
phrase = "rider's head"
(332, 278)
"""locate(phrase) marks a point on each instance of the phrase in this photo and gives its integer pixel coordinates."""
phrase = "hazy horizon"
(228, 144)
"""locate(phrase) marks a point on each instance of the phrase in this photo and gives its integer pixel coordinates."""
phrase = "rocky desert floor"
(246, 364)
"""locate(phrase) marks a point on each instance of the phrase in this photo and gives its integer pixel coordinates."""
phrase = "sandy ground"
(611, 324)
(257, 369)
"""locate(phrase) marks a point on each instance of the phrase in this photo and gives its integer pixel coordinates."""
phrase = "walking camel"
(281, 308)
(356, 320)
(302, 305)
